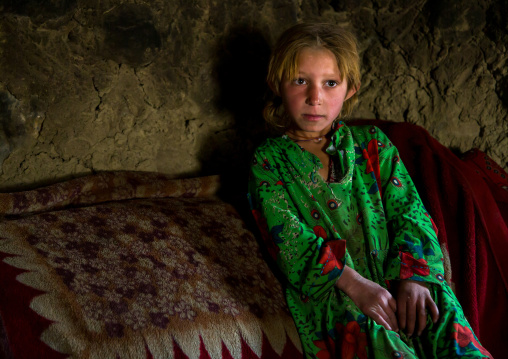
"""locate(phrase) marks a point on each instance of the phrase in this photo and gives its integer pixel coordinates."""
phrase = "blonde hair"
(284, 64)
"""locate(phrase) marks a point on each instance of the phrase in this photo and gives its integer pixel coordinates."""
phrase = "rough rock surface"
(177, 86)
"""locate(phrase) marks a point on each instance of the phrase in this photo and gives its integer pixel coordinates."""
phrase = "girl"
(342, 218)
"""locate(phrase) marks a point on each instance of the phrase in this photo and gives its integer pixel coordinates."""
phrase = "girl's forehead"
(310, 57)
(315, 52)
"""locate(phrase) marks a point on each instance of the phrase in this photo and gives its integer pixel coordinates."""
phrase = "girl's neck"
(301, 136)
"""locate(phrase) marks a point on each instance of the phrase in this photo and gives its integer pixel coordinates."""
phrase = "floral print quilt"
(135, 265)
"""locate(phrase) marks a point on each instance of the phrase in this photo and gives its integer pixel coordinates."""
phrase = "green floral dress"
(372, 220)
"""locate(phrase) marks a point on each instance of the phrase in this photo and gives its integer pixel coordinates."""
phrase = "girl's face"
(314, 98)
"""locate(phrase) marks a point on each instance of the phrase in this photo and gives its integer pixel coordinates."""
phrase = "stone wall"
(177, 86)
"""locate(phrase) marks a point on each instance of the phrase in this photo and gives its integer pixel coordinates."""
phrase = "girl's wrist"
(347, 280)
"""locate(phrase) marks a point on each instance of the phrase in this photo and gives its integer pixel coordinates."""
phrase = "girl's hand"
(373, 300)
(413, 298)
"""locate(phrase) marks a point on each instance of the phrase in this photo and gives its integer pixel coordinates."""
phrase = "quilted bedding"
(135, 265)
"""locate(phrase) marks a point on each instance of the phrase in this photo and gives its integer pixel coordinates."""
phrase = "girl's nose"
(313, 95)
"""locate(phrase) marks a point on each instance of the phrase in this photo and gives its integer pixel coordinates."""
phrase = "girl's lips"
(313, 117)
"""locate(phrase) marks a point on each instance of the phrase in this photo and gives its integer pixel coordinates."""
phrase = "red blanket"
(470, 209)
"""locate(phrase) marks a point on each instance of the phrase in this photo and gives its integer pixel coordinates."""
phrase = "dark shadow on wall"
(241, 67)
(240, 71)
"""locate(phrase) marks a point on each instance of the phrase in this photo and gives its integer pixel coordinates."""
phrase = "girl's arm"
(416, 257)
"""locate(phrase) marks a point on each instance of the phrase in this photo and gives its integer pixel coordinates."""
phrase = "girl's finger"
(422, 316)
(393, 321)
(378, 318)
(434, 311)
(393, 304)
(401, 311)
(410, 316)
(391, 314)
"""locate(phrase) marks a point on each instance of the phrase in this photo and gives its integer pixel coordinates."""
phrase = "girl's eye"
(331, 83)
(300, 81)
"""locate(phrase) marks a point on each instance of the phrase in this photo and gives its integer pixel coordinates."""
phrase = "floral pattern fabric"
(371, 219)
(134, 265)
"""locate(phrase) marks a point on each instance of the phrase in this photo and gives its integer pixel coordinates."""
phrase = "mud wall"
(177, 86)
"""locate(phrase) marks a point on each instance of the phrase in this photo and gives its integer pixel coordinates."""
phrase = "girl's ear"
(351, 92)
